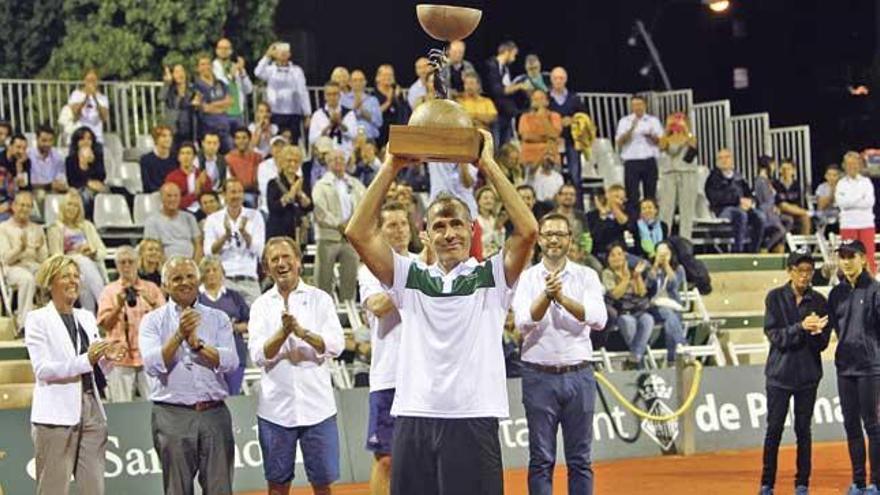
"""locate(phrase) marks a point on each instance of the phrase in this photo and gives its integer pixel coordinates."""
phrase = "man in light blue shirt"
(187, 348)
(365, 106)
(47, 164)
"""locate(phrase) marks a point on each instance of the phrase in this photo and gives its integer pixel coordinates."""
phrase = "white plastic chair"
(111, 211)
(146, 205)
(130, 175)
(52, 208)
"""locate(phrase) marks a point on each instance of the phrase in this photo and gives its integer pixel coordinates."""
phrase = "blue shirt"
(373, 120)
(46, 169)
(189, 378)
(210, 94)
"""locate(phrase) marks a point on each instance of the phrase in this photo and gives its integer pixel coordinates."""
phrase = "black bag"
(694, 269)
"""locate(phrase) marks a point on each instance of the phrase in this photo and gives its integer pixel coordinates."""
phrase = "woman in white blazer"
(69, 425)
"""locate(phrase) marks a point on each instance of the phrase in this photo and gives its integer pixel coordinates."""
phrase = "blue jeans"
(673, 329)
(552, 401)
(745, 223)
(636, 330)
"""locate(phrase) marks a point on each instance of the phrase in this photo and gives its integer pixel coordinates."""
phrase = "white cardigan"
(57, 367)
(855, 198)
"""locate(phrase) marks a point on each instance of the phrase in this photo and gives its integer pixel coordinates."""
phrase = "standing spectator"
(364, 105)
(287, 203)
(419, 91)
(15, 167)
(789, 198)
(85, 167)
(213, 101)
(47, 170)
(242, 163)
(491, 220)
(69, 426)
(534, 79)
(547, 179)
(77, 238)
(502, 90)
(628, 294)
(262, 129)
(481, 109)
(177, 230)
(668, 279)
(123, 304)
(285, 89)
(22, 249)
(188, 348)
(776, 226)
(341, 77)
(335, 197)
(151, 257)
(214, 294)
(566, 104)
(294, 333)
(237, 234)
(267, 170)
(678, 174)
(457, 179)
(731, 197)
(90, 107)
(189, 180)
(638, 136)
(334, 120)
(456, 67)
(364, 162)
(827, 212)
(178, 95)
(392, 102)
(556, 306)
(212, 162)
(156, 164)
(234, 75)
(609, 220)
(854, 196)
(539, 130)
(649, 230)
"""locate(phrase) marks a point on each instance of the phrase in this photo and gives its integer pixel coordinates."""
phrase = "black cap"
(798, 256)
(851, 246)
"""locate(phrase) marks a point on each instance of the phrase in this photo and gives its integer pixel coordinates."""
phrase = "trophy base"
(435, 144)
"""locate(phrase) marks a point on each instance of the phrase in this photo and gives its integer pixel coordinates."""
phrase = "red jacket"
(187, 197)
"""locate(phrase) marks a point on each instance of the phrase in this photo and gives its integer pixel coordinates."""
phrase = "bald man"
(456, 68)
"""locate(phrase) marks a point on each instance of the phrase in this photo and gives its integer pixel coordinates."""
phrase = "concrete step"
(16, 395)
(16, 371)
(7, 328)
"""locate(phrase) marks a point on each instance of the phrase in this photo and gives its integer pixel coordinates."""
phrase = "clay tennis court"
(719, 473)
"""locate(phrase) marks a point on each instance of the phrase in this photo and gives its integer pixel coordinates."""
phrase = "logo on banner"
(655, 392)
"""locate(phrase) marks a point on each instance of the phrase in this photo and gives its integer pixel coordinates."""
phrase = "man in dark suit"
(499, 85)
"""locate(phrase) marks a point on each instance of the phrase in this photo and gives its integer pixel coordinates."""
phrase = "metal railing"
(606, 110)
(794, 142)
(666, 103)
(751, 139)
(711, 126)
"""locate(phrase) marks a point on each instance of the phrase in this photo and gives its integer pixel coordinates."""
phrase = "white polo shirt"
(639, 147)
(295, 386)
(559, 339)
(451, 363)
(855, 198)
(239, 259)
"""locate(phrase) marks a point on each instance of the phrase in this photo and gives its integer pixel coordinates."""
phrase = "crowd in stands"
(229, 180)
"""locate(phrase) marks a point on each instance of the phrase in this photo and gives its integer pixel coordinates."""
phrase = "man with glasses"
(556, 305)
(796, 324)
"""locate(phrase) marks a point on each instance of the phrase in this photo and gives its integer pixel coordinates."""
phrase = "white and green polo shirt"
(451, 363)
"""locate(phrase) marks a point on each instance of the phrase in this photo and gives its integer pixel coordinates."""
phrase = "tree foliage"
(31, 29)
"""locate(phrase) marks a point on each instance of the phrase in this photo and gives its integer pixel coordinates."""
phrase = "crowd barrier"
(751, 138)
(711, 126)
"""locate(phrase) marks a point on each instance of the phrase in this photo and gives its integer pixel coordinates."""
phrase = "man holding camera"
(122, 306)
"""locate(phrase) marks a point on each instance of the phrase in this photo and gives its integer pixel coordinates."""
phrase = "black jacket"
(794, 362)
(723, 192)
(854, 312)
(494, 86)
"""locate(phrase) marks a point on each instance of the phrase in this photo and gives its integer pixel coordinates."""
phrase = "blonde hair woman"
(151, 257)
(78, 238)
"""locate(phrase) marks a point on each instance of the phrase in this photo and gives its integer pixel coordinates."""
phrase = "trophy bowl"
(447, 22)
(440, 113)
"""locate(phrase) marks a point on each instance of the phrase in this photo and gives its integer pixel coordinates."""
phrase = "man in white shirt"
(638, 135)
(268, 170)
(557, 304)
(237, 234)
(547, 179)
(419, 92)
(457, 179)
(855, 197)
(334, 120)
(234, 75)
(450, 387)
(286, 89)
(294, 332)
(90, 107)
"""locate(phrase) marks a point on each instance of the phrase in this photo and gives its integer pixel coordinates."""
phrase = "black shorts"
(435, 456)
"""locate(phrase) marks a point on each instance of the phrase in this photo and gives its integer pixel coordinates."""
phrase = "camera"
(131, 297)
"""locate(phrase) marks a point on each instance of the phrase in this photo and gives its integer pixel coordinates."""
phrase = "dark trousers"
(860, 405)
(639, 172)
(777, 409)
(288, 121)
(191, 443)
(573, 161)
(435, 456)
(749, 224)
(502, 130)
(554, 400)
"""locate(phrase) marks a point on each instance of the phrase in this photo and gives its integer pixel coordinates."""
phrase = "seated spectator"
(627, 292)
(267, 171)
(668, 279)
(213, 101)
(392, 102)
(509, 159)
(214, 293)
(419, 91)
(286, 90)
(156, 164)
(122, 305)
(566, 205)
(491, 219)
(177, 230)
(499, 86)
(262, 129)
(209, 202)
(22, 249)
(178, 94)
(364, 106)
(47, 172)
(5, 132)
(287, 202)
(455, 69)
(151, 257)
(481, 109)
(827, 212)
(85, 167)
(533, 80)
(315, 168)
(855, 196)
(539, 130)
(89, 106)
(334, 120)
(776, 225)
(364, 162)
(547, 179)
(15, 170)
(190, 180)
(731, 197)
(527, 193)
(342, 78)
(78, 238)
(233, 73)
(649, 230)
(789, 198)
(608, 221)
(567, 103)
(242, 163)
(211, 161)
